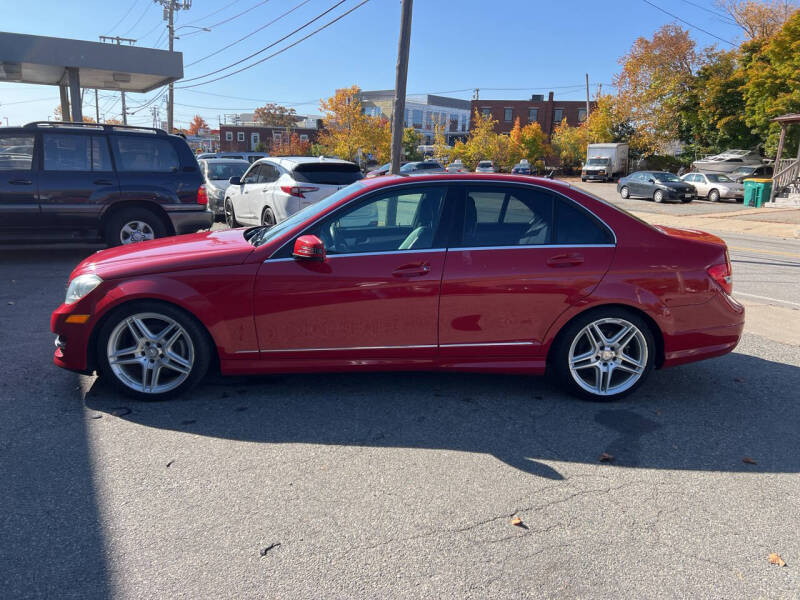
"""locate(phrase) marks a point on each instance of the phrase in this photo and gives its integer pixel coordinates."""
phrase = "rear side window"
(576, 226)
(70, 152)
(16, 152)
(134, 153)
(327, 173)
(507, 217)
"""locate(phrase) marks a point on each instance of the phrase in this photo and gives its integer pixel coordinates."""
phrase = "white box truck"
(605, 162)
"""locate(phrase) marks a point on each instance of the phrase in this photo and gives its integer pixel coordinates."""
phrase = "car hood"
(176, 253)
(675, 185)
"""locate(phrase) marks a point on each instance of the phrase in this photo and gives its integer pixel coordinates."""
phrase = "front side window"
(16, 152)
(507, 217)
(393, 221)
(253, 175)
(134, 153)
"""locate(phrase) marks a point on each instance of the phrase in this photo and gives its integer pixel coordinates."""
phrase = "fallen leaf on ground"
(749, 461)
(516, 521)
(775, 559)
(169, 464)
(605, 457)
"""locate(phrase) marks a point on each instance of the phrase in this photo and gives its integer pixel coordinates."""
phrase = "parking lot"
(404, 485)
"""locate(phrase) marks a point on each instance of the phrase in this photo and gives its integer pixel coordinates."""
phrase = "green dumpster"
(757, 191)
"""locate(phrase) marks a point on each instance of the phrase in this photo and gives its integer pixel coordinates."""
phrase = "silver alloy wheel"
(136, 231)
(624, 192)
(658, 196)
(608, 356)
(150, 353)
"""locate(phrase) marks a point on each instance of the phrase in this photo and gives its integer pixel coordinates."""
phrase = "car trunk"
(325, 177)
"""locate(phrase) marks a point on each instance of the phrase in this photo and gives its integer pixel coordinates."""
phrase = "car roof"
(225, 159)
(379, 182)
(291, 161)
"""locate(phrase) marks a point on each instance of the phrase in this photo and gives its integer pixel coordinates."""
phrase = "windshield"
(484, 164)
(744, 171)
(329, 173)
(719, 178)
(225, 170)
(666, 177)
(597, 161)
(260, 235)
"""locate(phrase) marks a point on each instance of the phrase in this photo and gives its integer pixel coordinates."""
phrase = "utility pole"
(170, 6)
(401, 77)
(119, 40)
(96, 106)
(587, 95)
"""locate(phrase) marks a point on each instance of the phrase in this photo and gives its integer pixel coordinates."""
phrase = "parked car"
(380, 171)
(217, 173)
(714, 186)
(751, 172)
(250, 157)
(424, 167)
(84, 181)
(275, 188)
(456, 167)
(521, 168)
(658, 185)
(485, 166)
(539, 276)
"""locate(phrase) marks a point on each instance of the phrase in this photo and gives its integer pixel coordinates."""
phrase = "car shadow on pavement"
(707, 416)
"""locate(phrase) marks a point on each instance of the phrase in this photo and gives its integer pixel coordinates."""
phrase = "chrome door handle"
(20, 181)
(411, 270)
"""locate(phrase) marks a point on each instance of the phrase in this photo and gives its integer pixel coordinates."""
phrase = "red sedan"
(448, 272)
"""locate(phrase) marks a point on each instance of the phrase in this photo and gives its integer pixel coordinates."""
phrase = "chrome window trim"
(350, 348)
(480, 182)
(531, 246)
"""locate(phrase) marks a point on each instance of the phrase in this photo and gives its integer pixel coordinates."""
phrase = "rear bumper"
(190, 221)
(703, 331)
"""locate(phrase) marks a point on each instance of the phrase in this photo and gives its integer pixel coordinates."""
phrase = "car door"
(19, 204)
(269, 175)
(250, 193)
(77, 180)
(635, 184)
(376, 295)
(523, 256)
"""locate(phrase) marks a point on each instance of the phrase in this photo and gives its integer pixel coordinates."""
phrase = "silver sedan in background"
(217, 173)
(714, 186)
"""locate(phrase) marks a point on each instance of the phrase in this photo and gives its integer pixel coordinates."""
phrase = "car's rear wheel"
(230, 214)
(658, 196)
(131, 225)
(152, 351)
(713, 196)
(625, 192)
(267, 217)
(604, 354)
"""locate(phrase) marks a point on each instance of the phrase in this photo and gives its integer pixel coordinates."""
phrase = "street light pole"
(399, 109)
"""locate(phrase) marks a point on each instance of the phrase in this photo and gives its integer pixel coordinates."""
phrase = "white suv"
(275, 188)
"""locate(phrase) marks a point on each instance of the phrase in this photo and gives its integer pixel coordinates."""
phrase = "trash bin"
(757, 191)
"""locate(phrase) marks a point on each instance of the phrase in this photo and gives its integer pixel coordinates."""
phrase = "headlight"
(80, 286)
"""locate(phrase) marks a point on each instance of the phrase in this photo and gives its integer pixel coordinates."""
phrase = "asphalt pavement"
(400, 485)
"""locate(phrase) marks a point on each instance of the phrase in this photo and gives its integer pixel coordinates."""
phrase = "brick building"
(548, 113)
(245, 135)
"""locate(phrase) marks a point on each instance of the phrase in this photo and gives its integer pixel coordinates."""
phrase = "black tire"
(624, 192)
(560, 354)
(199, 338)
(658, 196)
(115, 231)
(267, 217)
(713, 195)
(230, 214)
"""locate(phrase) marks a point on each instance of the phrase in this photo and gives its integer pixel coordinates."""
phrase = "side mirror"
(235, 180)
(651, 180)
(309, 247)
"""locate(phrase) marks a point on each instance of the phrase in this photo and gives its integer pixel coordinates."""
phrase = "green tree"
(534, 144)
(411, 139)
(772, 83)
(569, 144)
(441, 151)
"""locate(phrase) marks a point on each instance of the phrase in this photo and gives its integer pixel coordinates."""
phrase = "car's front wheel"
(152, 351)
(230, 215)
(604, 354)
(658, 196)
(713, 196)
(625, 192)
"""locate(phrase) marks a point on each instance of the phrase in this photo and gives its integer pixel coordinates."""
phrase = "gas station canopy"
(49, 61)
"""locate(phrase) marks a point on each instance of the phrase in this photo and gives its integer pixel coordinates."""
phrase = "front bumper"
(190, 221)
(594, 175)
(72, 339)
(679, 194)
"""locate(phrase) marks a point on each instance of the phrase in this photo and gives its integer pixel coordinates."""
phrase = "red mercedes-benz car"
(487, 273)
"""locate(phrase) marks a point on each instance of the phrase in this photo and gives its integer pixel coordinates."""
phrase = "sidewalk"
(766, 222)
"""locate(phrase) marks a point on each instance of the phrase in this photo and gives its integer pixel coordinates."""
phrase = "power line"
(687, 23)
(713, 12)
(229, 19)
(125, 16)
(139, 20)
(265, 48)
(211, 14)
(278, 18)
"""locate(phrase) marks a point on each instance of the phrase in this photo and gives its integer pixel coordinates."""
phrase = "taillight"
(297, 190)
(722, 274)
(202, 195)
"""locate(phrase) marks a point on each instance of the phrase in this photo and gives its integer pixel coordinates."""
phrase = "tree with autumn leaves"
(349, 133)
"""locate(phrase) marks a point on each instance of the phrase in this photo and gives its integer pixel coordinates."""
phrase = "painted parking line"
(767, 298)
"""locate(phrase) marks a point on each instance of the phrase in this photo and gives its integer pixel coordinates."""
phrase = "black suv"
(83, 181)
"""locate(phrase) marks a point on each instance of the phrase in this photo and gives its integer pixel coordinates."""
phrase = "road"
(401, 485)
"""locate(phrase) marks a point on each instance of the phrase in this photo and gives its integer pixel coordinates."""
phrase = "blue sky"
(537, 45)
